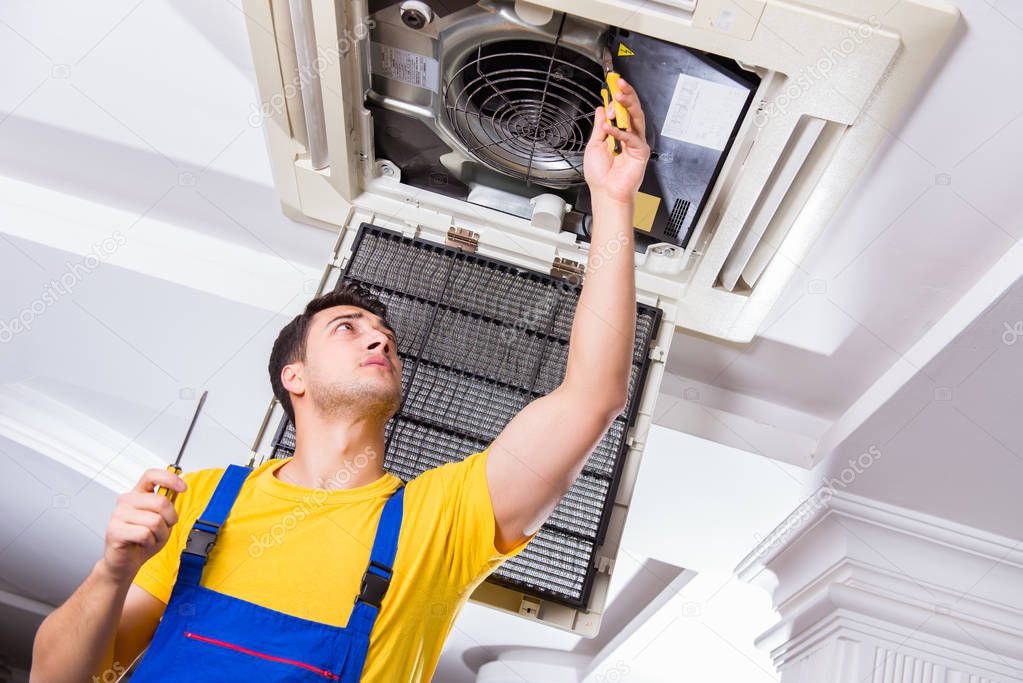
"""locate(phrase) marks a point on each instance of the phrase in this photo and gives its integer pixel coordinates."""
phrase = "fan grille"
(525, 108)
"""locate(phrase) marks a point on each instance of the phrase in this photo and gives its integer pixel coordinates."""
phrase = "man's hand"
(617, 176)
(107, 621)
(140, 524)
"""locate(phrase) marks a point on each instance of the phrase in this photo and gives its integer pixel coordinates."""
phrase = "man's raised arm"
(539, 454)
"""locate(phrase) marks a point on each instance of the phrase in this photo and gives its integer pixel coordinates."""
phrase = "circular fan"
(525, 108)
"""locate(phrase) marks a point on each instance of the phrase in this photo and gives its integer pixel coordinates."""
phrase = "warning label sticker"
(624, 51)
(402, 65)
(702, 112)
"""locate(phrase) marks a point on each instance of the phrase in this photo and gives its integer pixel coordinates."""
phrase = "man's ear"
(292, 378)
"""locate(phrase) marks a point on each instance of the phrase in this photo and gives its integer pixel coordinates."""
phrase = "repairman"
(250, 574)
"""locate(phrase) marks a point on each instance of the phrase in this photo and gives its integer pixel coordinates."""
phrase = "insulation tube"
(312, 97)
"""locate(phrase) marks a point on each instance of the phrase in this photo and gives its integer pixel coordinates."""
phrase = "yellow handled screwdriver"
(619, 114)
(176, 467)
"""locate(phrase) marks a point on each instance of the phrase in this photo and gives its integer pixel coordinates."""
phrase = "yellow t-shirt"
(303, 552)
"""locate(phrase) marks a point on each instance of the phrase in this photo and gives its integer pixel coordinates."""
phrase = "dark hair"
(290, 346)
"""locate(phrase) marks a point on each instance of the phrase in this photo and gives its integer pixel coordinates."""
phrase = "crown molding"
(846, 567)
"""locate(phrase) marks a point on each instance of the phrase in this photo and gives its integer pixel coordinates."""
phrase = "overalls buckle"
(373, 585)
(200, 541)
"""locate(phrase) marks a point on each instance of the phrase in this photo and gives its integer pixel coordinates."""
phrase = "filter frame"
(441, 260)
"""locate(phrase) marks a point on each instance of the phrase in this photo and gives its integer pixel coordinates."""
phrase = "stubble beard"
(355, 397)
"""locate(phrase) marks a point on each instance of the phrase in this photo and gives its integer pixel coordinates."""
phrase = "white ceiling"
(904, 247)
(135, 117)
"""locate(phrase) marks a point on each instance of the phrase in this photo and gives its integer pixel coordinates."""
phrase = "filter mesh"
(479, 339)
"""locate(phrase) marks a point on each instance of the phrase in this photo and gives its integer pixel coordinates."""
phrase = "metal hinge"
(567, 269)
(657, 354)
(463, 238)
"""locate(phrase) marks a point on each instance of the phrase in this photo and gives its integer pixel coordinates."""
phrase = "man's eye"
(342, 325)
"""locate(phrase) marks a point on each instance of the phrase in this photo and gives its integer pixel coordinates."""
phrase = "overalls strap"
(381, 560)
(204, 531)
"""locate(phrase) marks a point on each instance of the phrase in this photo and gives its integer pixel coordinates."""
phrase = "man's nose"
(382, 342)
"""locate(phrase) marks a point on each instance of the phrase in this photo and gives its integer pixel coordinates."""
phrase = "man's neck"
(335, 454)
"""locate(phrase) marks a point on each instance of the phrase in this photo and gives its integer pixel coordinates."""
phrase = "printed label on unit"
(703, 112)
(407, 67)
(624, 51)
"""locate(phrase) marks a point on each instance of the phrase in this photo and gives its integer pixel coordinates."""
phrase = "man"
(300, 531)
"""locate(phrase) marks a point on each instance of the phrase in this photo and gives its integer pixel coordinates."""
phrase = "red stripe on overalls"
(322, 672)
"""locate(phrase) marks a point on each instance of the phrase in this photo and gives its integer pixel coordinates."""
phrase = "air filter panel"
(479, 339)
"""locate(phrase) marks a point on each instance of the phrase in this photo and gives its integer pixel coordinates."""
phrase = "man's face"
(352, 365)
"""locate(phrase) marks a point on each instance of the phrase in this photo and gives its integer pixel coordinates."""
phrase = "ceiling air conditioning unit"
(444, 141)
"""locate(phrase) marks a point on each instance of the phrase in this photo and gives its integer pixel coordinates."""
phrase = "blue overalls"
(209, 636)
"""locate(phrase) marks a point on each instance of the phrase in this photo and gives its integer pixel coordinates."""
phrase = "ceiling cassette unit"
(443, 141)
(761, 114)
